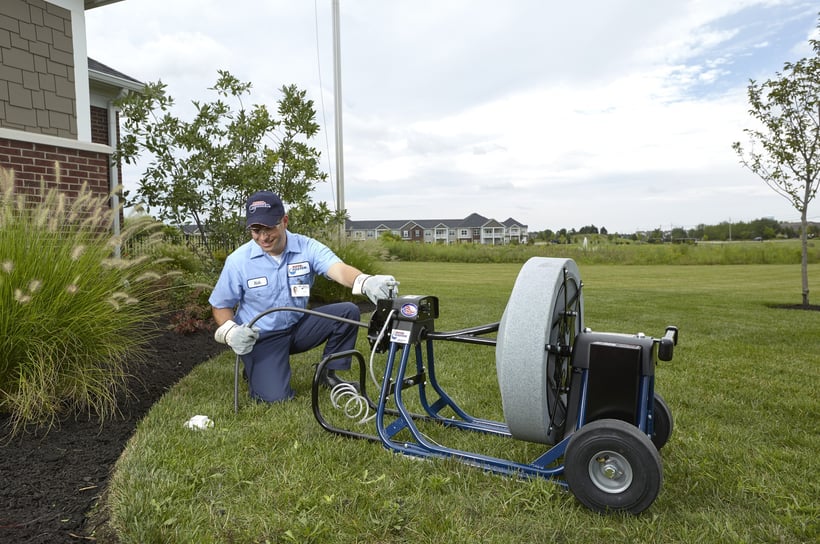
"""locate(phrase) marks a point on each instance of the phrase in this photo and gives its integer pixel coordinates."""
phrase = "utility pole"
(337, 100)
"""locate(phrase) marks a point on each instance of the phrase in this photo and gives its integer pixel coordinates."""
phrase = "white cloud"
(558, 114)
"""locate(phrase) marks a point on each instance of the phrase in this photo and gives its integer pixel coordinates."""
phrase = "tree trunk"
(804, 254)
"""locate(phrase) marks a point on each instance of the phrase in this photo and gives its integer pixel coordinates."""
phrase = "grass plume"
(66, 348)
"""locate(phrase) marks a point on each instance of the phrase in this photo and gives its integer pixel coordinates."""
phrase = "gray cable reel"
(534, 346)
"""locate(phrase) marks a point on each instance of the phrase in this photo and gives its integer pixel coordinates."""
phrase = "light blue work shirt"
(254, 280)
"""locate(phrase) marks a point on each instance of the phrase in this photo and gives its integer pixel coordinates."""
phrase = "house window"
(405, 234)
(463, 233)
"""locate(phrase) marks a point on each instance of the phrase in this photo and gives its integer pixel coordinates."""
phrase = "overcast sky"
(617, 113)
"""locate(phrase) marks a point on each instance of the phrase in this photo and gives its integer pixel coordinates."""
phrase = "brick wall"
(35, 162)
(37, 68)
(99, 125)
(99, 130)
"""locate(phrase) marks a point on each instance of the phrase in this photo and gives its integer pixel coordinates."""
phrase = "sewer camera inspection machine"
(588, 397)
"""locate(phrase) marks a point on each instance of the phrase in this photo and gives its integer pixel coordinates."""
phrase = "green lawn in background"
(741, 466)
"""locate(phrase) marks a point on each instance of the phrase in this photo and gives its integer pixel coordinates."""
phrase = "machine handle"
(666, 345)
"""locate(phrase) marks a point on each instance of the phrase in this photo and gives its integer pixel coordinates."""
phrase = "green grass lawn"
(741, 465)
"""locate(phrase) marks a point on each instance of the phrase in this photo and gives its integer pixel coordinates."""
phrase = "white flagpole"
(337, 100)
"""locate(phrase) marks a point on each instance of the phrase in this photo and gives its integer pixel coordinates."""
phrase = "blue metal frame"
(421, 447)
(393, 417)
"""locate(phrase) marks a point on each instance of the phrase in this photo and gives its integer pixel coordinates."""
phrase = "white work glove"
(240, 338)
(375, 287)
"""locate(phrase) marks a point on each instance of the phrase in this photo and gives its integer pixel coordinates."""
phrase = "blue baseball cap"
(264, 208)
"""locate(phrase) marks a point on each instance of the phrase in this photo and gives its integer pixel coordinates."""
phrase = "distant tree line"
(758, 229)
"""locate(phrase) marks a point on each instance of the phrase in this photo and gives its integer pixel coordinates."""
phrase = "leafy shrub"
(188, 304)
(74, 315)
(359, 255)
(187, 300)
(189, 275)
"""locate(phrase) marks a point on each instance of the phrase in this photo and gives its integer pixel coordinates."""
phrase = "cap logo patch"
(257, 204)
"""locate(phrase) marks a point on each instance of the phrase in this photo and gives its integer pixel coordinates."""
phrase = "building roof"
(97, 71)
(377, 224)
(510, 222)
(492, 223)
(473, 220)
(91, 4)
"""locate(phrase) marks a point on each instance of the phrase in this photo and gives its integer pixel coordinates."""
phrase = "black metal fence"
(142, 245)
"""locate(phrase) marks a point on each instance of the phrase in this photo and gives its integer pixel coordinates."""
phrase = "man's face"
(272, 240)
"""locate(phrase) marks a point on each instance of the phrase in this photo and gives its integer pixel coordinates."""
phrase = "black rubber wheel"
(611, 466)
(664, 423)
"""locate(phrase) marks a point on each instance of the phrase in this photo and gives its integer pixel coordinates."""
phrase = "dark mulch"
(50, 482)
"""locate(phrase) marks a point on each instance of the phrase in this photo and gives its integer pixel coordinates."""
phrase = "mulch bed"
(51, 481)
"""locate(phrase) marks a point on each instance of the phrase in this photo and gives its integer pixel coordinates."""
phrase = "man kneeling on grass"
(276, 268)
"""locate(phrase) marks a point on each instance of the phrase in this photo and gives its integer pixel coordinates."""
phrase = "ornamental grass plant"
(73, 314)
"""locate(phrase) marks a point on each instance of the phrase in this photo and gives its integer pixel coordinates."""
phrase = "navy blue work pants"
(267, 366)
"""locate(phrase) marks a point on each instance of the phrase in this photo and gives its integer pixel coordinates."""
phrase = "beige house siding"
(58, 122)
(37, 88)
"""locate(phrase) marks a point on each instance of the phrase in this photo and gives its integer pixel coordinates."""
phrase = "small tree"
(788, 108)
(201, 171)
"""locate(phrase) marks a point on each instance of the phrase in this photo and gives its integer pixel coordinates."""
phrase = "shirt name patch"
(257, 282)
(298, 269)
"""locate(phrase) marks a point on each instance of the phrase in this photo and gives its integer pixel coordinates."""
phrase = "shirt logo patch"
(298, 269)
(257, 282)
